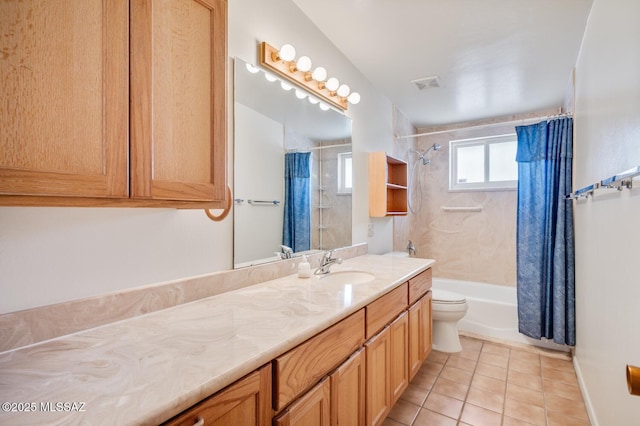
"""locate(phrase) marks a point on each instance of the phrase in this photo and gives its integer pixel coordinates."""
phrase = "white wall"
(607, 141)
(49, 255)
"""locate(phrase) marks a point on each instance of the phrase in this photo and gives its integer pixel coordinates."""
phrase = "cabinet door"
(415, 338)
(178, 99)
(399, 334)
(348, 392)
(246, 402)
(312, 409)
(64, 70)
(378, 396)
(427, 339)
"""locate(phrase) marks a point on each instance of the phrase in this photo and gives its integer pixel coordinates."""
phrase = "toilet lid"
(443, 296)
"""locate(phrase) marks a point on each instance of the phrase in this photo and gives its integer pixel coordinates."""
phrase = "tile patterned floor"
(491, 384)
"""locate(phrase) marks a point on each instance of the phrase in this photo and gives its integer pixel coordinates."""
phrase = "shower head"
(423, 156)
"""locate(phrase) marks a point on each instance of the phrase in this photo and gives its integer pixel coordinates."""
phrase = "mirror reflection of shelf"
(322, 206)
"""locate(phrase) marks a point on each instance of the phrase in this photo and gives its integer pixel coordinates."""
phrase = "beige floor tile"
(443, 404)
(404, 412)
(565, 376)
(471, 354)
(492, 371)
(431, 367)
(429, 418)
(390, 422)
(462, 363)
(525, 367)
(525, 412)
(479, 416)
(471, 343)
(489, 400)
(497, 360)
(439, 357)
(565, 390)
(414, 394)
(522, 394)
(567, 407)
(424, 380)
(525, 380)
(449, 388)
(496, 349)
(525, 356)
(556, 363)
(510, 421)
(456, 374)
(488, 384)
(558, 419)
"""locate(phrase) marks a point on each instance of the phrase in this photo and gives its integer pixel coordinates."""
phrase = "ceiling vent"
(427, 82)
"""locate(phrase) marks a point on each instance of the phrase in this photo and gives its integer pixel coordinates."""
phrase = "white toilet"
(447, 309)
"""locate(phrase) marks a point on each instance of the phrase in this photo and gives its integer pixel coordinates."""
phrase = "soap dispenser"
(304, 269)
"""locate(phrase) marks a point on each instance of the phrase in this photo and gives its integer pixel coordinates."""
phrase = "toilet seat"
(447, 297)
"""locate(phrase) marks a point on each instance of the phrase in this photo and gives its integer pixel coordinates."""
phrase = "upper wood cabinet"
(387, 185)
(64, 115)
(113, 102)
(178, 99)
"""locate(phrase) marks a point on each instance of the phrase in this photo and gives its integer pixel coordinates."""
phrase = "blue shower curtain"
(297, 209)
(545, 244)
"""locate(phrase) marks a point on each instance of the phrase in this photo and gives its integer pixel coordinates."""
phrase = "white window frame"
(486, 141)
(342, 189)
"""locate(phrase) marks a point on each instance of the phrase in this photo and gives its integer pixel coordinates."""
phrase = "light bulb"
(343, 91)
(285, 86)
(319, 74)
(287, 52)
(300, 94)
(252, 69)
(354, 98)
(270, 77)
(332, 84)
(303, 63)
(324, 107)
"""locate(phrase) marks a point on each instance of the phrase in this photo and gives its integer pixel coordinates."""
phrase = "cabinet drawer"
(244, 402)
(419, 285)
(301, 367)
(382, 311)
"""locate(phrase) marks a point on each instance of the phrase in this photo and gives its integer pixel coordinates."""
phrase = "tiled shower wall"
(471, 246)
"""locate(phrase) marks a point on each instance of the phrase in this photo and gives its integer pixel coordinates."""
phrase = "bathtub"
(493, 312)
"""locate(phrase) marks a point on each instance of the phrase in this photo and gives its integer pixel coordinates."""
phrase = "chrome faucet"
(411, 249)
(326, 262)
(286, 252)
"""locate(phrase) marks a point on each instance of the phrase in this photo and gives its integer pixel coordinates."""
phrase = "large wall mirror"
(283, 147)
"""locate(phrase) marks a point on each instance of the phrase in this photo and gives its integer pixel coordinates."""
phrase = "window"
(345, 173)
(483, 163)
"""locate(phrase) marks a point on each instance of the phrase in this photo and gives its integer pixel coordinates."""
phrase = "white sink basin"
(346, 277)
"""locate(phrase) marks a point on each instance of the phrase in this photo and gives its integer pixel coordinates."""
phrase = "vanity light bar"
(288, 69)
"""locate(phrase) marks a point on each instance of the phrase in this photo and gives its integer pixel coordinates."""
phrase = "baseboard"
(585, 394)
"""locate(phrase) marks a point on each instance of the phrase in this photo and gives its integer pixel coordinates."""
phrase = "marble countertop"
(146, 369)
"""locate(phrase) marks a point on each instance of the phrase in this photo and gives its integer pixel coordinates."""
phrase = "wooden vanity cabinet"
(387, 361)
(348, 391)
(113, 103)
(245, 402)
(312, 409)
(420, 320)
(321, 381)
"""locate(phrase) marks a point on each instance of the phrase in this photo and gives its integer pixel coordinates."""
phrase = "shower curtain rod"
(338, 145)
(480, 126)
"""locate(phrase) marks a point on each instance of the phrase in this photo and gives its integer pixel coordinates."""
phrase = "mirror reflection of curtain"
(297, 205)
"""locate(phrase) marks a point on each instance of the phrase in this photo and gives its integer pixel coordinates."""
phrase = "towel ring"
(226, 210)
